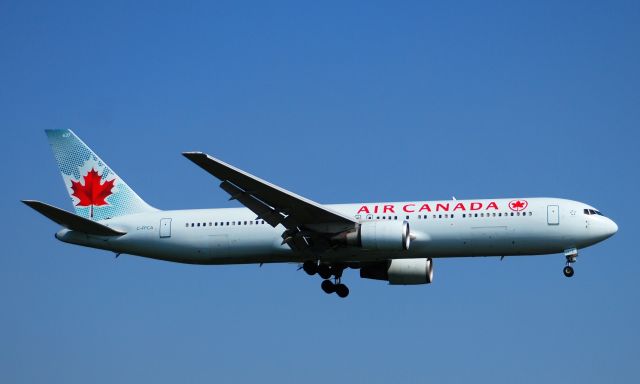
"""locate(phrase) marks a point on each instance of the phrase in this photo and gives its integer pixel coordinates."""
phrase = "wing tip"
(193, 154)
(30, 202)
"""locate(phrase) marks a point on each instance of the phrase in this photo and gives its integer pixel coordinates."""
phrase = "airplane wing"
(304, 219)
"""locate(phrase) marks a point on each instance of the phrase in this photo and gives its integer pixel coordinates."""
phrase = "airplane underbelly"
(489, 240)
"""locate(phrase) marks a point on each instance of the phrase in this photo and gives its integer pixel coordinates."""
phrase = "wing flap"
(261, 209)
(71, 221)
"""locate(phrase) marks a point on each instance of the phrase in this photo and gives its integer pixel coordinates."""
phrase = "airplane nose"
(602, 228)
(612, 227)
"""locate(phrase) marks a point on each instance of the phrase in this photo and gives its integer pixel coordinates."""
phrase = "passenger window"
(452, 215)
(407, 217)
(464, 215)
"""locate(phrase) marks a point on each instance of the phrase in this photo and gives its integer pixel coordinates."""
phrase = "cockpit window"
(592, 212)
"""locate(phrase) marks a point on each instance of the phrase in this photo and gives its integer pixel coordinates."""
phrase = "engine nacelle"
(385, 235)
(400, 271)
(378, 236)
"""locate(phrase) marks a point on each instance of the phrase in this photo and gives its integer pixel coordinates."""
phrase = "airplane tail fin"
(96, 191)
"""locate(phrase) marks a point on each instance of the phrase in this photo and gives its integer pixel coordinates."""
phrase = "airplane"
(395, 242)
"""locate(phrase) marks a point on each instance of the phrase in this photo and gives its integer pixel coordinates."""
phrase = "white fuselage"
(453, 228)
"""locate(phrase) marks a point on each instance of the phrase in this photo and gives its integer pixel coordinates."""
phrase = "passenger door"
(165, 227)
(553, 215)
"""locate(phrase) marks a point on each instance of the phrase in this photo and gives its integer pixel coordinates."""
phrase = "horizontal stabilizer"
(71, 221)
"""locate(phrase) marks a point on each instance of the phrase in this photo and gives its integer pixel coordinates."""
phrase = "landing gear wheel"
(310, 267)
(324, 271)
(568, 271)
(328, 286)
(342, 290)
(571, 255)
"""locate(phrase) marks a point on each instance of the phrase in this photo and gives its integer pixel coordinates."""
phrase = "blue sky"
(339, 102)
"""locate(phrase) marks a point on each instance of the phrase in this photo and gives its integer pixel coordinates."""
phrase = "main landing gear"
(326, 271)
(571, 255)
(330, 287)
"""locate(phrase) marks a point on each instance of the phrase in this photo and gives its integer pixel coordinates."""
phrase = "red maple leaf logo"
(92, 193)
(518, 205)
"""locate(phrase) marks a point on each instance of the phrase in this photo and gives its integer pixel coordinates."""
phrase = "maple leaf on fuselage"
(92, 192)
(517, 204)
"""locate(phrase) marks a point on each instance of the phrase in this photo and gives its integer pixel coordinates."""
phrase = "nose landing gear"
(571, 255)
(568, 271)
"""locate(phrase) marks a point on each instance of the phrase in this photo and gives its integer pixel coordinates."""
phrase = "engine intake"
(400, 271)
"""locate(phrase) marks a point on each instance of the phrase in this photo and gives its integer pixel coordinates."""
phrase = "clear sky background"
(340, 102)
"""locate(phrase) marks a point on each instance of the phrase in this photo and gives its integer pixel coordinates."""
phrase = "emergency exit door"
(165, 227)
(553, 215)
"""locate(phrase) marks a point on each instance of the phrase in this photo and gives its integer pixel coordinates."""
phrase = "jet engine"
(400, 271)
(378, 236)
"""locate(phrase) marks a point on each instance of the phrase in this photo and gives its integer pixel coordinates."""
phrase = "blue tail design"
(96, 191)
